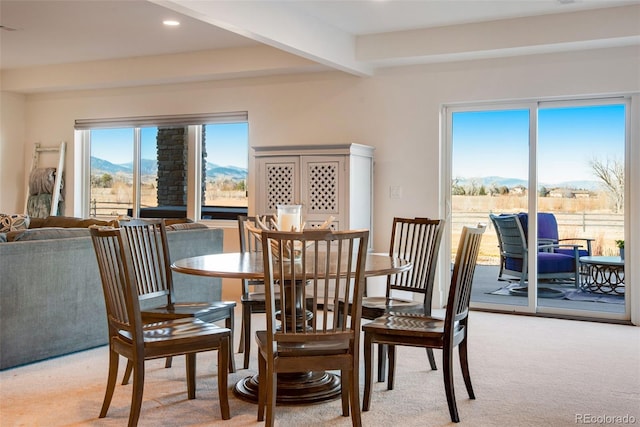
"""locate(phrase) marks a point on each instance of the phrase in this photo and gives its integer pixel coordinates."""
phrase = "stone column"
(172, 166)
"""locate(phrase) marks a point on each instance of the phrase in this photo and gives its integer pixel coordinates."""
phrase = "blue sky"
(227, 144)
(495, 143)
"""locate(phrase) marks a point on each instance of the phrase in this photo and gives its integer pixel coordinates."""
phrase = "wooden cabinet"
(327, 180)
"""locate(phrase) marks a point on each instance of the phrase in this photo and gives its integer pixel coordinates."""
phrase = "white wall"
(397, 111)
(12, 128)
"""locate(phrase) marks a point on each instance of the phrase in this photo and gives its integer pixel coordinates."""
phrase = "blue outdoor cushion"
(548, 229)
(547, 263)
(547, 225)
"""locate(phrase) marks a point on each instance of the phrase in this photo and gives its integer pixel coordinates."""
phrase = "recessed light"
(171, 23)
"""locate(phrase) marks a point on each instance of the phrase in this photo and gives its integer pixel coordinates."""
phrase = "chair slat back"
(147, 240)
(511, 238)
(249, 242)
(330, 271)
(118, 280)
(462, 276)
(416, 240)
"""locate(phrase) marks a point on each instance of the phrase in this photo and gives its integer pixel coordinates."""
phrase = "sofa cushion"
(10, 222)
(46, 234)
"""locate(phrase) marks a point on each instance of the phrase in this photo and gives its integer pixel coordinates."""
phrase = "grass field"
(585, 218)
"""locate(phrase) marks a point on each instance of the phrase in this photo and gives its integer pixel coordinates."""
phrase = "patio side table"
(603, 274)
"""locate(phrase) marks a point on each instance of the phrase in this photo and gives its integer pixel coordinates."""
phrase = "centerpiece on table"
(288, 218)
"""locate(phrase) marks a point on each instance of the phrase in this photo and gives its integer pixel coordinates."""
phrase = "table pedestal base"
(294, 389)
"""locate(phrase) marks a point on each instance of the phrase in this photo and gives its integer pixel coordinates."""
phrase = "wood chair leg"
(345, 387)
(368, 371)
(447, 367)
(229, 323)
(262, 390)
(382, 362)
(246, 321)
(111, 382)
(354, 394)
(241, 343)
(191, 375)
(223, 376)
(392, 366)
(464, 364)
(272, 381)
(432, 359)
(167, 363)
(127, 373)
(136, 396)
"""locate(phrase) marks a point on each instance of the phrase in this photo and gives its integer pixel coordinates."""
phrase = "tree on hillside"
(611, 174)
(543, 191)
(456, 188)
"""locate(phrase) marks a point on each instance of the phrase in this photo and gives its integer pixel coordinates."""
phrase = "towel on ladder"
(42, 181)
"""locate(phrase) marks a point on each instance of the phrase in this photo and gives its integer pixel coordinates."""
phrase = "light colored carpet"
(526, 371)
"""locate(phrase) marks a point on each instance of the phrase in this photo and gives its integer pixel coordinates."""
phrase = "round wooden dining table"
(302, 388)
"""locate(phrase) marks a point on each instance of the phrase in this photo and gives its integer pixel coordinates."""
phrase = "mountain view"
(214, 171)
(500, 181)
(150, 167)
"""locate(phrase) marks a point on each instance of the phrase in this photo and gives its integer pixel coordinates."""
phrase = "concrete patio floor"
(486, 281)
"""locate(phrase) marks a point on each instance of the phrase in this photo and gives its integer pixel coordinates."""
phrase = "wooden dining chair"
(148, 244)
(416, 240)
(310, 337)
(419, 330)
(131, 337)
(252, 299)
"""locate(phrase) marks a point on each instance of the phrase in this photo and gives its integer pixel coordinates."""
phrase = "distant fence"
(586, 221)
(109, 209)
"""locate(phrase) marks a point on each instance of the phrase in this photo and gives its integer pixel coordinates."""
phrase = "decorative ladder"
(57, 186)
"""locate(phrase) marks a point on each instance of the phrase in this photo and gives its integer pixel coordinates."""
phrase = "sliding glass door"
(490, 175)
(580, 157)
(548, 179)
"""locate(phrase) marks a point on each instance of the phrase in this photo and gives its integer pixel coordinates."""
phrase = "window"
(166, 166)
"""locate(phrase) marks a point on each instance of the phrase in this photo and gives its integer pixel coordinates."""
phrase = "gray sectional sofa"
(51, 301)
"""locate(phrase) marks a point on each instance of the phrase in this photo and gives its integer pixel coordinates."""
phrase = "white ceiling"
(354, 36)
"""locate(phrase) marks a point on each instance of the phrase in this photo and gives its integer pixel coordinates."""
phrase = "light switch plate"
(395, 192)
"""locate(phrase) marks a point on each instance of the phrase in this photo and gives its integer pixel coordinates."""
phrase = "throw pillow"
(13, 222)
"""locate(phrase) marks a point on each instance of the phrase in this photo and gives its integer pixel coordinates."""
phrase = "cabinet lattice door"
(327, 180)
(280, 182)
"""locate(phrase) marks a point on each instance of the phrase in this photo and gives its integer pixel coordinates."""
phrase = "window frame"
(194, 123)
(632, 305)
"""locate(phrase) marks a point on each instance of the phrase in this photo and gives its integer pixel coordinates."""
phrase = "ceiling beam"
(562, 32)
(280, 27)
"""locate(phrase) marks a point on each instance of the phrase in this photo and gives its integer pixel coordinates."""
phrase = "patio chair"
(548, 234)
(552, 265)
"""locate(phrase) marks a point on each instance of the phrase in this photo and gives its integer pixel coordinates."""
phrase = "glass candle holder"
(289, 217)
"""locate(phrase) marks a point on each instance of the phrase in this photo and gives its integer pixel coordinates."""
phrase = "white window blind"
(177, 120)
